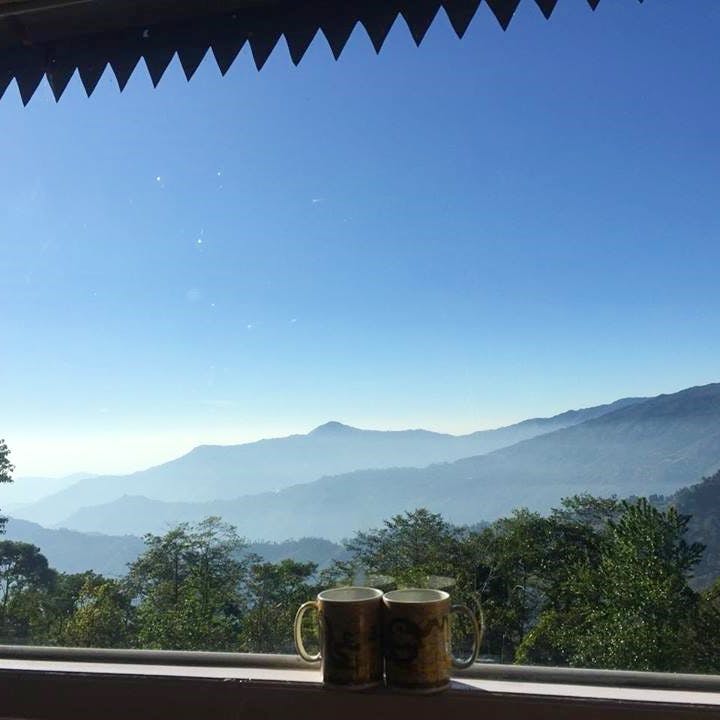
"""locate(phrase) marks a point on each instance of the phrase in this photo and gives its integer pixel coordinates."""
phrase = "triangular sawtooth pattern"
(503, 10)
(419, 15)
(63, 63)
(300, 29)
(123, 67)
(225, 52)
(124, 55)
(547, 7)
(190, 58)
(28, 80)
(158, 46)
(299, 40)
(460, 13)
(157, 59)
(90, 75)
(58, 77)
(192, 47)
(262, 42)
(338, 26)
(226, 33)
(378, 22)
(228, 39)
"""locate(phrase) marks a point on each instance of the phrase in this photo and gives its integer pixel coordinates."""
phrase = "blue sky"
(453, 237)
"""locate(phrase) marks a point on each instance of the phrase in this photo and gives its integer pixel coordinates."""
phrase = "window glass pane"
(442, 317)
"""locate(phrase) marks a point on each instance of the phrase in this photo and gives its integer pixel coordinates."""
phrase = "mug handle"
(456, 662)
(297, 631)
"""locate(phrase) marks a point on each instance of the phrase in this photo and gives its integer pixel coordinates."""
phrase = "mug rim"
(372, 594)
(437, 596)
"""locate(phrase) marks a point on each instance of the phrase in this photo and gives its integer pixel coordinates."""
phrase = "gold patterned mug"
(416, 639)
(350, 626)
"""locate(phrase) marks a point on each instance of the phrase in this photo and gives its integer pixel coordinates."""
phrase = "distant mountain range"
(214, 472)
(71, 551)
(25, 490)
(639, 447)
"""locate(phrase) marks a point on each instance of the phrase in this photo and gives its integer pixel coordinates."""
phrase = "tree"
(535, 556)
(507, 578)
(102, 616)
(187, 586)
(6, 470)
(408, 549)
(417, 548)
(632, 607)
(707, 643)
(575, 534)
(273, 593)
(702, 501)
(23, 572)
(588, 511)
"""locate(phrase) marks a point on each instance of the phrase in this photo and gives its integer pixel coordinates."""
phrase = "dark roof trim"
(54, 38)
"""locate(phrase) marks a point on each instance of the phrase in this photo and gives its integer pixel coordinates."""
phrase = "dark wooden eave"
(54, 38)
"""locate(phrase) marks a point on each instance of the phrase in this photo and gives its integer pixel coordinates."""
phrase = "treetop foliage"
(6, 471)
(597, 582)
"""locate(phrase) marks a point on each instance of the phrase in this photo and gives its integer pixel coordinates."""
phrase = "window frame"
(41, 683)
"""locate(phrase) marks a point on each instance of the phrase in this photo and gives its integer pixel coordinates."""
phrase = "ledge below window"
(59, 683)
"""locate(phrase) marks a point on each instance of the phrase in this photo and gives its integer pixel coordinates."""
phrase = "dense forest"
(702, 503)
(596, 583)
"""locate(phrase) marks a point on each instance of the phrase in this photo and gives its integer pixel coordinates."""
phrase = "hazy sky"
(452, 237)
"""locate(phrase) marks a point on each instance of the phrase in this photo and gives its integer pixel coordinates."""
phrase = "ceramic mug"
(416, 639)
(350, 626)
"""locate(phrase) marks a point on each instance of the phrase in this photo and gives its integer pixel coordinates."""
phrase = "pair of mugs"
(408, 631)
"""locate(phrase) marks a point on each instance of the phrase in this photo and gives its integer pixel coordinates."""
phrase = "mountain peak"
(332, 428)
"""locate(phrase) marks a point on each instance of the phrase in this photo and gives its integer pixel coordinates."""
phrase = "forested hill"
(75, 552)
(212, 472)
(71, 551)
(702, 502)
(652, 447)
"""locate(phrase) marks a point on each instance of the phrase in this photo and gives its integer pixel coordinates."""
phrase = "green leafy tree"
(417, 548)
(102, 616)
(24, 575)
(58, 603)
(187, 585)
(526, 564)
(6, 471)
(574, 537)
(632, 606)
(408, 549)
(510, 579)
(273, 592)
(531, 558)
(707, 640)
(588, 511)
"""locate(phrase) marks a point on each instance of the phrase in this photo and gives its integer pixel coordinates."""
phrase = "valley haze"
(338, 479)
